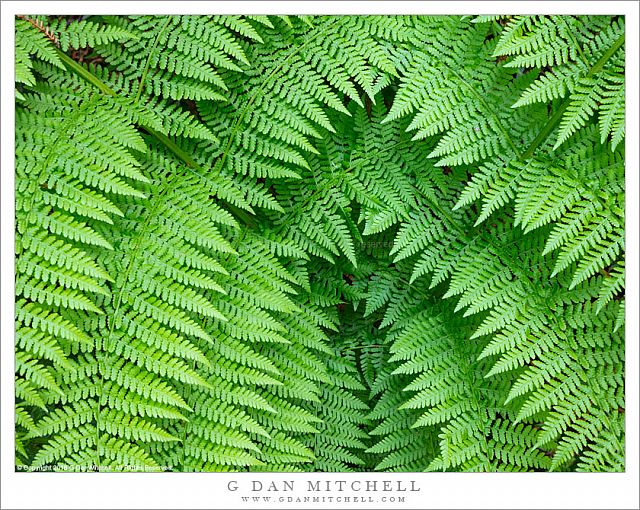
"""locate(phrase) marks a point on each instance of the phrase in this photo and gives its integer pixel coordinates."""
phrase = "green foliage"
(320, 243)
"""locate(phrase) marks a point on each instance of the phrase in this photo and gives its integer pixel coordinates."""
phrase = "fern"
(322, 243)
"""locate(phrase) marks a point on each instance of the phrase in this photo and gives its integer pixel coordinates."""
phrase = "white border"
(181, 490)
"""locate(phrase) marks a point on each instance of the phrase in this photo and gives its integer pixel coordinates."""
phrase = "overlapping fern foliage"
(320, 243)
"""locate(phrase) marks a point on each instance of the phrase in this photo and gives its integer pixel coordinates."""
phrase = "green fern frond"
(320, 243)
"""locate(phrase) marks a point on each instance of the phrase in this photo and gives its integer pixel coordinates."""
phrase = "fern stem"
(500, 251)
(599, 65)
(555, 120)
(185, 426)
(293, 212)
(148, 62)
(75, 67)
(490, 111)
(112, 320)
(254, 96)
(61, 132)
(585, 61)
(193, 165)
(605, 415)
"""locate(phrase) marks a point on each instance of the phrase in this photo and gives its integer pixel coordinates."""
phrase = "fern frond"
(320, 243)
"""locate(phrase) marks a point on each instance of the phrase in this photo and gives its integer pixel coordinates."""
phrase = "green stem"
(148, 62)
(575, 43)
(106, 344)
(608, 54)
(487, 108)
(75, 67)
(240, 214)
(546, 130)
(557, 116)
(257, 93)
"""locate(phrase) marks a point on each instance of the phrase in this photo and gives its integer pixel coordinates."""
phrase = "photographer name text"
(324, 486)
